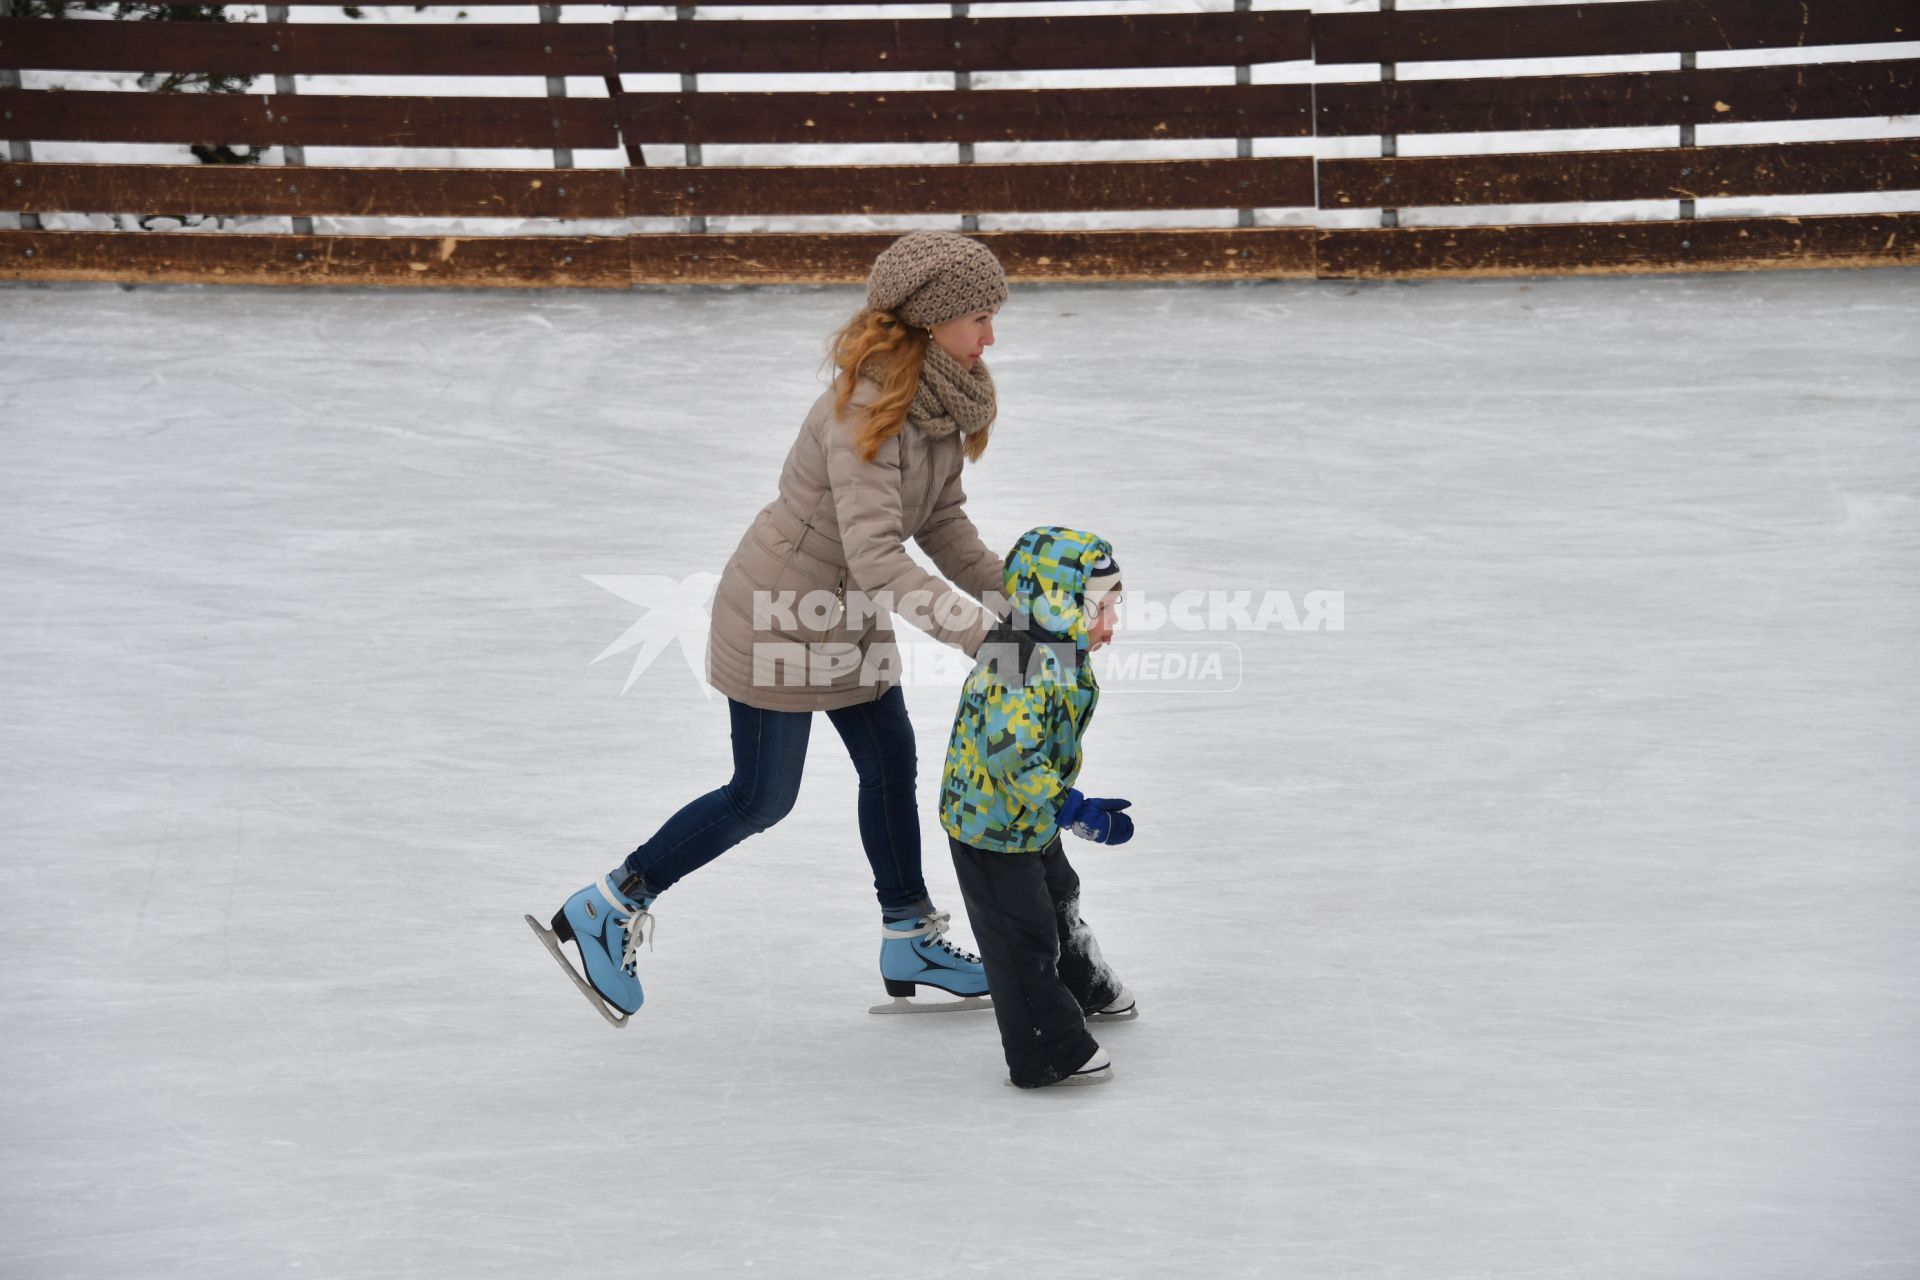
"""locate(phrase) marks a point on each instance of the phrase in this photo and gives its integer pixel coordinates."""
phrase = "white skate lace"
(937, 926)
(639, 924)
(633, 926)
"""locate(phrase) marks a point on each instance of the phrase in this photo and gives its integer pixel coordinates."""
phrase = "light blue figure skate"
(915, 953)
(607, 927)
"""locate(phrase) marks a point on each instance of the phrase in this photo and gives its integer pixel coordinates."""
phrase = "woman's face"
(965, 337)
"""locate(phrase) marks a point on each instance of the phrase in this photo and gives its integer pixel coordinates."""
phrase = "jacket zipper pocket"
(839, 612)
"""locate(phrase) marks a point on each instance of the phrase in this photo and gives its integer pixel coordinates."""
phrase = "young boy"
(1007, 793)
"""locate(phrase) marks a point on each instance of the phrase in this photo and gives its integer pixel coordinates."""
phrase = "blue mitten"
(1095, 819)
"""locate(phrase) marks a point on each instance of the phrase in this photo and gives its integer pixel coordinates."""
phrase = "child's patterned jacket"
(1015, 747)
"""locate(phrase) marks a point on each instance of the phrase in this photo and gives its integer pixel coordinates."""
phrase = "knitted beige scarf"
(950, 396)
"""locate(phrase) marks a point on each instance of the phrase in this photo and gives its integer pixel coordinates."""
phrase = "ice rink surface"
(1557, 917)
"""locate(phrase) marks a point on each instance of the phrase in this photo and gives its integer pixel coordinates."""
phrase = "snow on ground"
(1556, 916)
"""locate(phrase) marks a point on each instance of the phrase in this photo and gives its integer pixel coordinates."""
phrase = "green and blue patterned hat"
(1049, 572)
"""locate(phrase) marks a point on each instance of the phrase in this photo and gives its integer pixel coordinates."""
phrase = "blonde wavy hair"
(882, 348)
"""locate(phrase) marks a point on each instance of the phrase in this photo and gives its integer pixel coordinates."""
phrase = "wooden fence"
(963, 117)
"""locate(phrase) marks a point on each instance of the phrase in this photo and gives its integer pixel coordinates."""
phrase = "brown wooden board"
(1730, 95)
(986, 115)
(217, 258)
(259, 48)
(963, 44)
(563, 4)
(221, 189)
(731, 4)
(1258, 253)
(239, 190)
(1674, 173)
(975, 188)
(309, 119)
(1615, 248)
(1643, 26)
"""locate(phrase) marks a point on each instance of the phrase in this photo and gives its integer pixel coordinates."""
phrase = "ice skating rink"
(1556, 918)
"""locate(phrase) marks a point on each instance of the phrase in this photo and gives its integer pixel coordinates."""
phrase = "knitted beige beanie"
(926, 277)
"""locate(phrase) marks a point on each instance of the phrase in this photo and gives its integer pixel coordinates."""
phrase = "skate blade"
(1101, 1076)
(1128, 1014)
(551, 942)
(900, 1004)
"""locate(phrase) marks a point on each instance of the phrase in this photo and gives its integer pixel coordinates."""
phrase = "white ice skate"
(1122, 1008)
(1095, 1070)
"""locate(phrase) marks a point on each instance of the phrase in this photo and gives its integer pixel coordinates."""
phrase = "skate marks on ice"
(551, 941)
(1556, 919)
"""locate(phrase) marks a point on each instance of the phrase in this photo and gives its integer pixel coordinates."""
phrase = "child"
(1007, 794)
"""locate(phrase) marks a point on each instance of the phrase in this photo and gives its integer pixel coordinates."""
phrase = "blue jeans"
(769, 755)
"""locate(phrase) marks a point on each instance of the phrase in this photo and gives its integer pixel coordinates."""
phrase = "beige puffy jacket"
(838, 527)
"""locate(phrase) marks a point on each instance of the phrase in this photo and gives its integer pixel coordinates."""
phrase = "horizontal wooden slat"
(987, 115)
(1880, 164)
(310, 119)
(977, 188)
(1730, 95)
(963, 44)
(675, 192)
(1596, 248)
(259, 48)
(564, 4)
(1674, 173)
(1259, 253)
(1889, 164)
(1642, 26)
(215, 258)
(188, 257)
(258, 189)
(730, 4)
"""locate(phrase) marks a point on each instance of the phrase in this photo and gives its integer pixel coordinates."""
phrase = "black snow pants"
(1043, 966)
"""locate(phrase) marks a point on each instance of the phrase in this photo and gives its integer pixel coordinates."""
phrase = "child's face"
(1100, 628)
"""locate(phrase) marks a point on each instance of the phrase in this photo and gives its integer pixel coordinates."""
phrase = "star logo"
(674, 612)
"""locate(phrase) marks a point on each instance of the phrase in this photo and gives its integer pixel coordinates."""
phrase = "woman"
(800, 616)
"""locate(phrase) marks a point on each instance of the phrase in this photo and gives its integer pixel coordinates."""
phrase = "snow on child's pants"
(1043, 967)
